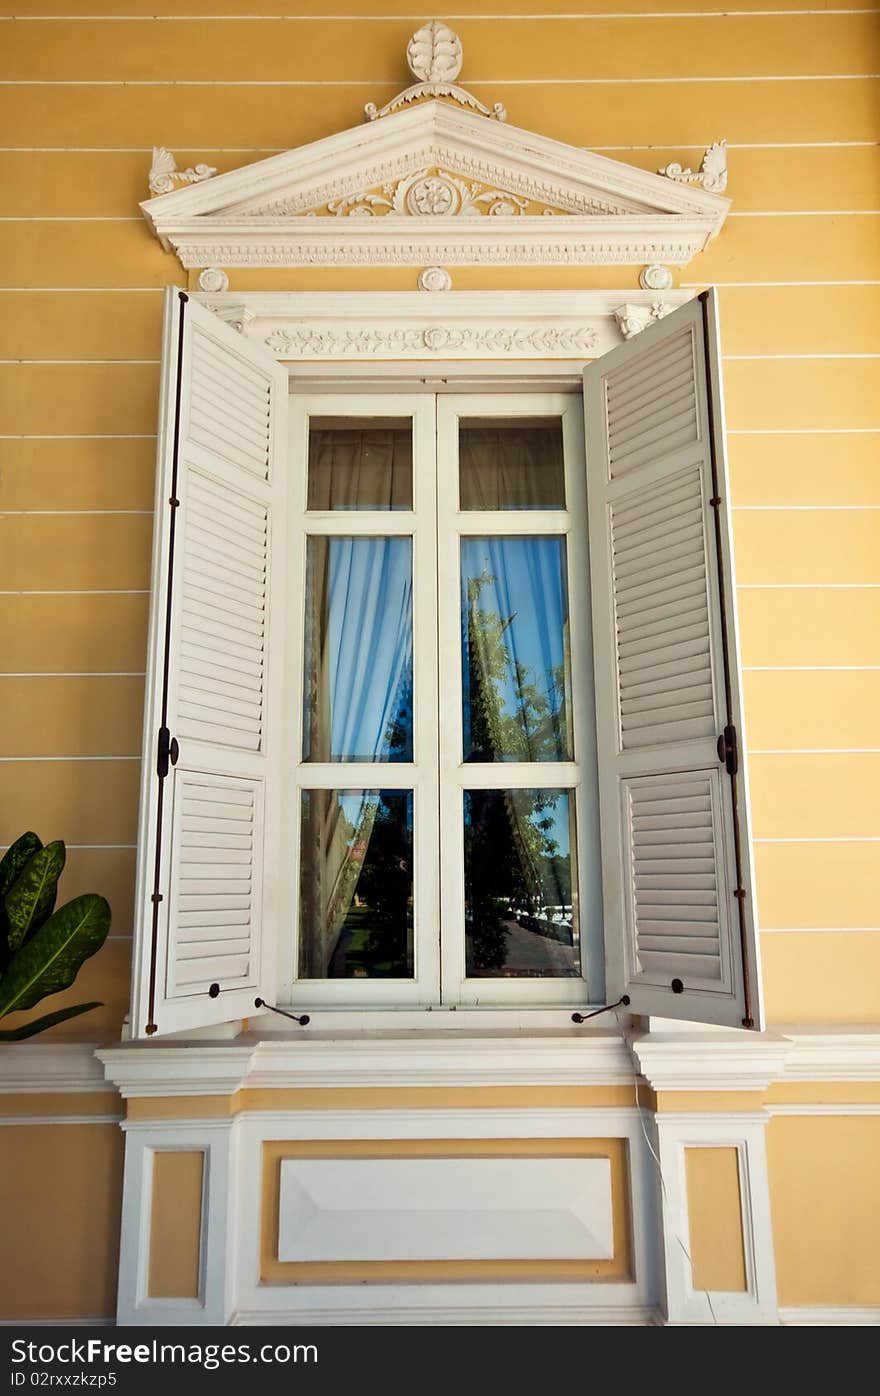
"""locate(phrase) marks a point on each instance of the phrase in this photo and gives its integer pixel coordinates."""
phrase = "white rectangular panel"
(445, 1209)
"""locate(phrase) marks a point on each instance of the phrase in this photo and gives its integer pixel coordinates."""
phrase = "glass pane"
(520, 883)
(511, 463)
(356, 885)
(358, 650)
(360, 463)
(516, 671)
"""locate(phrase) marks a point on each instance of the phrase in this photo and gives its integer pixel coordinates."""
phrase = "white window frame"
(537, 363)
(439, 897)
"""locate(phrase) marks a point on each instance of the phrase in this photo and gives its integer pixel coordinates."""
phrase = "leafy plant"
(42, 947)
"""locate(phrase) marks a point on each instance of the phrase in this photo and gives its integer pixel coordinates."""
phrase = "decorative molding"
(434, 57)
(448, 1305)
(411, 1209)
(322, 242)
(546, 188)
(828, 1316)
(35, 1067)
(492, 342)
(757, 1303)
(417, 1058)
(712, 174)
(410, 326)
(632, 319)
(234, 314)
(655, 278)
(212, 280)
(435, 279)
(725, 1060)
(164, 172)
(833, 1054)
(420, 176)
(430, 193)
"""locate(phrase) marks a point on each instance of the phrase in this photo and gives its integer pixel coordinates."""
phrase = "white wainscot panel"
(445, 1209)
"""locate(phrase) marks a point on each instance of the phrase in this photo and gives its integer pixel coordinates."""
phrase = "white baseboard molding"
(829, 1316)
(60, 1322)
(516, 1305)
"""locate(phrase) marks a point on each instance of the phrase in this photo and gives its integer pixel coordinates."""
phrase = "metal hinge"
(728, 750)
(168, 752)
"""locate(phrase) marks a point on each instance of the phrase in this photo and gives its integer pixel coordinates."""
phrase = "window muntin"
(548, 539)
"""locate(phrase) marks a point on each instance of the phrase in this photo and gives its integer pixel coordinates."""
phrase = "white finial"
(434, 53)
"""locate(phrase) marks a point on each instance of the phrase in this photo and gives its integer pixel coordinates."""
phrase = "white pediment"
(435, 178)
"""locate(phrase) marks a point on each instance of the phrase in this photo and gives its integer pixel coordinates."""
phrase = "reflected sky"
(514, 636)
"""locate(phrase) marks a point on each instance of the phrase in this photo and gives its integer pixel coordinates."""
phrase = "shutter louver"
(205, 937)
(680, 930)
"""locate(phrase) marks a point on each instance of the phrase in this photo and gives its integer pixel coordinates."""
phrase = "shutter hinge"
(168, 751)
(728, 750)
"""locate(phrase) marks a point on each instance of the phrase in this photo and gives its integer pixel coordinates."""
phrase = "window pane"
(515, 649)
(520, 884)
(514, 463)
(360, 464)
(356, 884)
(358, 643)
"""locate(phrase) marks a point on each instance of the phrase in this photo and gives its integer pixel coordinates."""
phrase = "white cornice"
(691, 1059)
(444, 325)
(403, 1059)
(710, 1061)
(833, 1053)
(35, 1067)
(411, 170)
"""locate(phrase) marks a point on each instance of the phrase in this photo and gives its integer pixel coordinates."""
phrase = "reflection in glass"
(516, 672)
(358, 650)
(360, 463)
(514, 463)
(356, 884)
(520, 884)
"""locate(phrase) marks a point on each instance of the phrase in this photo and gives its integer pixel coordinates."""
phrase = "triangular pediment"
(434, 181)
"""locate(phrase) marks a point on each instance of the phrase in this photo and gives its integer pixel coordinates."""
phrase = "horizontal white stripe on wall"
(376, 83)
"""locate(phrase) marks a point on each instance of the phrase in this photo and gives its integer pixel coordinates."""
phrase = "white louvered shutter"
(677, 881)
(206, 900)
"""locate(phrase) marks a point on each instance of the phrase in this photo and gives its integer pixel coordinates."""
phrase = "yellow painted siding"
(826, 1222)
(176, 1224)
(715, 1219)
(60, 1239)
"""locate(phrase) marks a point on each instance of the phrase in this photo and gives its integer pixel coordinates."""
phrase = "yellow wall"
(82, 100)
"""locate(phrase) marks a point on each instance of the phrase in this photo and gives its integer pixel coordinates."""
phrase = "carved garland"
(435, 339)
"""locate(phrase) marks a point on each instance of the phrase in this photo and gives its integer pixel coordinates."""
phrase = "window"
(445, 823)
(439, 693)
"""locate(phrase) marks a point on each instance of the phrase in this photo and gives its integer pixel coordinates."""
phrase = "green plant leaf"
(49, 961)
(14, 859)
(48, 1020)
(31, 897)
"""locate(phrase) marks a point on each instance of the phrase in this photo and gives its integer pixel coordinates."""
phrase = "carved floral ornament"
(434, 57)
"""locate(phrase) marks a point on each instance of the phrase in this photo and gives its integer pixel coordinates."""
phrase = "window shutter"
(205, 934)
(677, 881)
